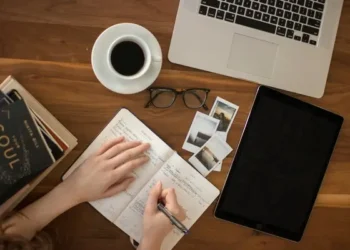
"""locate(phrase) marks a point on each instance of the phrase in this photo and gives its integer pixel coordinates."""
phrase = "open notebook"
(125, 210)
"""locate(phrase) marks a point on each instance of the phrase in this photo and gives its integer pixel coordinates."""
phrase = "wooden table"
(46, 45)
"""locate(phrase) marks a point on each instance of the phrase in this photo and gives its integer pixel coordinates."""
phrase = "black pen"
(173, 219)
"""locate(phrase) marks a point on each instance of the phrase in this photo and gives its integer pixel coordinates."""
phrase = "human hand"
(19, 225)
(108, 171)
(156, 226)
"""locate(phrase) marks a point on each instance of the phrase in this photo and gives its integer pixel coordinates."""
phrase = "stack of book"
(32, 143)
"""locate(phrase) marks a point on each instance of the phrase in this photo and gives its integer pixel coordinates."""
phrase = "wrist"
(150, 243)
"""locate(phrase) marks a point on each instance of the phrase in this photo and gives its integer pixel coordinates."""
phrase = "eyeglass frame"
(177, 92)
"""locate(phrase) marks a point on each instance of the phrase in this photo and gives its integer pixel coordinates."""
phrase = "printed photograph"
(201, 130)
(207, 158)
(224, 113)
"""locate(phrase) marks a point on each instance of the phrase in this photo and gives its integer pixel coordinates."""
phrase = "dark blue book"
(3, 99)
(14, 96)
(23, 151)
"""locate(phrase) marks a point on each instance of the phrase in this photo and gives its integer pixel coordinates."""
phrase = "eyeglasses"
(165, 97)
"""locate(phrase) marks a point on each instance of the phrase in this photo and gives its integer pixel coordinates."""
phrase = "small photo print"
(202, 129)
(207, 158)
(210, 155)
(225, 112)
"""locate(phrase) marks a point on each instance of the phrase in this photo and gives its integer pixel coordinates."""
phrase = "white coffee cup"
(146, 51)
(104, 69)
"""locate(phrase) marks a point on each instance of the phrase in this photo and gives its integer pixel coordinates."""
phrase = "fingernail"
(145, 158)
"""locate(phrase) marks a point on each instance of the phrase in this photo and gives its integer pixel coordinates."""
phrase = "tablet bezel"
(271, 229)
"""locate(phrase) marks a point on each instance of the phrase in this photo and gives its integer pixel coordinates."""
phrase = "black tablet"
(279, 165)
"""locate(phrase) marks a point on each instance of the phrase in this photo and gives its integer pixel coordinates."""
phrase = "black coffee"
(127, 58)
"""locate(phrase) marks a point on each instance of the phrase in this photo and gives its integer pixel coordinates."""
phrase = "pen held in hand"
(173, 219)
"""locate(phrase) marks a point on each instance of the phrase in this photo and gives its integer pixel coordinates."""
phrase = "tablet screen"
(279, 165)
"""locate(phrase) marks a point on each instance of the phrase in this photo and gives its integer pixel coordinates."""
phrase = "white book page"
(127, 125)
(194, 193)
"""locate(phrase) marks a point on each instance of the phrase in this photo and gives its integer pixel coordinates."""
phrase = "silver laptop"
(283, 44)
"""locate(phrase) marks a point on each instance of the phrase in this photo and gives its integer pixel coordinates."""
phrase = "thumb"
(153, 197)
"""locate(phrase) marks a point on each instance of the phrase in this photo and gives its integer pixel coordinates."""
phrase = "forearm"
(46, 209)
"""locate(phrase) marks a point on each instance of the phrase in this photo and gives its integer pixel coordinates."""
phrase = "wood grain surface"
(46, 45)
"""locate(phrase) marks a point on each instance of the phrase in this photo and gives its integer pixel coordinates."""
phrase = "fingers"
(119, 187)
(171, 198)
(116, 149)
(8, 223)
(129, 154)
(109, 144)
(153, 197)
(129, 166)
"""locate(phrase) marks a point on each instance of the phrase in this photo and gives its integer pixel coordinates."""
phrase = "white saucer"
(103, 72)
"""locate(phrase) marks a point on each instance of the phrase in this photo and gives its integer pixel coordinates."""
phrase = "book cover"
(23, 151)
(54, 146)
(3, 99)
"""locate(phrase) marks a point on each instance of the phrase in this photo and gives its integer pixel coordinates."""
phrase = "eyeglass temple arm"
(200, 99)
(148, 104)
(151, 100)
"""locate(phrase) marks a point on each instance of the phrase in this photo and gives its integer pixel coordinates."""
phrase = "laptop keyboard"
(294, 19)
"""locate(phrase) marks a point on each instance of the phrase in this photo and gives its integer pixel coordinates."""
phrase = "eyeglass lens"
(162, 98)
(195, 98)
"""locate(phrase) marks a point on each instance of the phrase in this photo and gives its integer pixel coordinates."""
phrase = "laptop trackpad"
(252, 56)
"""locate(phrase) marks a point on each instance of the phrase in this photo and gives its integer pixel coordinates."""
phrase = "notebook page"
(129, 126)
(194, 193)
